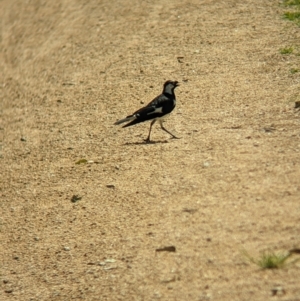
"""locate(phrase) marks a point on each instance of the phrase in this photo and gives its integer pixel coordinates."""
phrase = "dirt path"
(231, 183)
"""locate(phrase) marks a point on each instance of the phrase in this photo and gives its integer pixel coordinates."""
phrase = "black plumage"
(156, 110)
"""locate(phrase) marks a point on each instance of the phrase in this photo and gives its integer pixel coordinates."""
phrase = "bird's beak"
(176, 84)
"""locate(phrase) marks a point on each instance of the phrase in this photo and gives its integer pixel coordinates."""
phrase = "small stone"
(66, 248)
(269, 129)
(23, 139)
(110, 186)
(109, 268)
(81, 161)
(295, 251)
(206, 164)
(277, 291)
(180, 59)
(8, 291)
(166, 249)
(110, 260)
(169, 280)
(75, 198)
(189, 210)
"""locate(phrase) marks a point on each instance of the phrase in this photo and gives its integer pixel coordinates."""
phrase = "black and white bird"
(156, 110)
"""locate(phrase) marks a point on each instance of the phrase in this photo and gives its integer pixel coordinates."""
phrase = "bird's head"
(169, 86)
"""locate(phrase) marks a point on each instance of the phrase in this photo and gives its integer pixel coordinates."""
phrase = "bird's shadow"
(146, 142)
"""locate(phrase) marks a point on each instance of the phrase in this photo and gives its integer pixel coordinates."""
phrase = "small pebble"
(110, 260)
(278, 290)
(109, 268)
(110, 186)
(206, 164)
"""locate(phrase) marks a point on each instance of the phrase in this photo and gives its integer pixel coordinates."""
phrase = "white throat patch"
(168, 88)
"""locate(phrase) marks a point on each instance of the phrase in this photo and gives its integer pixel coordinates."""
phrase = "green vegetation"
(294, 70)
(293, 15)
(269, 260)
(291, 2)
(287, 50)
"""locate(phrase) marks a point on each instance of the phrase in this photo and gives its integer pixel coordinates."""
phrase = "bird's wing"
(153, 107)
(158, 101)
(140, 114)
(148, 110)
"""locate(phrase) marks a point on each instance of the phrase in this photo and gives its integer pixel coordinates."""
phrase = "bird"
(155, 110)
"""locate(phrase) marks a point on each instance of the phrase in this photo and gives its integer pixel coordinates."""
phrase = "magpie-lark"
(157, 109)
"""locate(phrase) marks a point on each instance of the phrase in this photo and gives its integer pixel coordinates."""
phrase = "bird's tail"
(128, 118)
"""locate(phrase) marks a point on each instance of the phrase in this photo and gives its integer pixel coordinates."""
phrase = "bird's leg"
(148, 138)
(163, 128)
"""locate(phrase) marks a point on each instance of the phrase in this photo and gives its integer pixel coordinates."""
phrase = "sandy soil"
(69, 70)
